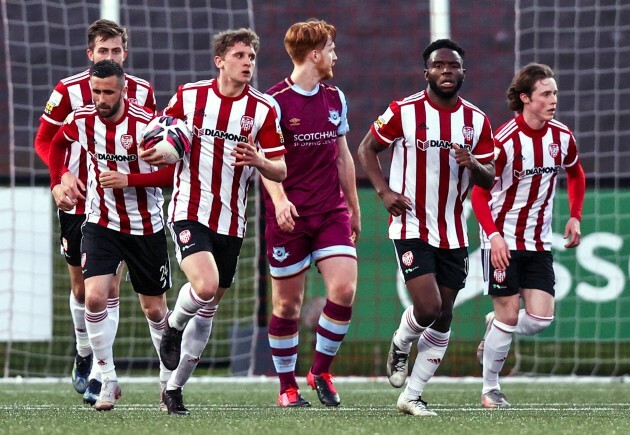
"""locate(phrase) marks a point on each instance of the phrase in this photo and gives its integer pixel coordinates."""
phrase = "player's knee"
(427, 313)
(343, 295)
(288, 308)
(530, 324)
(206, 290)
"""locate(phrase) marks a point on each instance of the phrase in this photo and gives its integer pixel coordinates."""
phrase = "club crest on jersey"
(247, 123)
(83, 259)
(554, 149)
(334, 117)
(407, 258)
(280, 253)
(126, 140)
(499, 275)
(468, 132)
(184, 236)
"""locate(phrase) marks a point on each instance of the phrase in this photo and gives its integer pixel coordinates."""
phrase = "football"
(169, 136)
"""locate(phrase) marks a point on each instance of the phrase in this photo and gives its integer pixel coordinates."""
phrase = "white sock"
(77, 312)
(408, 331)
(113, 311)
(431, 349)
(187, 305)
(529, 324)
(495, 351)
(101, 330)
(194, 341)
(156, 329)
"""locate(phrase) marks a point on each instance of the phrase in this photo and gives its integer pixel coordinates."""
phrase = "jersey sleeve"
(344, 127)
(484, 150)
(175, 106)
(160, 178)
(480, 201)
(388, 127)
(58, 106)
(65, 136)
(571, 157)
(44, 136)
(270, 137)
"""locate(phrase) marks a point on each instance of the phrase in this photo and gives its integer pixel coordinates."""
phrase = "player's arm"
(65, 186)
(481, 174)
(499, 251)
(394, 202)
(246, 154)
(116, 180)
(285, 209)
(576, 188)
(44, 136)
(347, 180)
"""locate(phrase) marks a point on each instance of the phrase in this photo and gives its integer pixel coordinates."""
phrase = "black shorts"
(102, 251)
(416, 258)
(527, 269)
(70, 236)
(191, 237)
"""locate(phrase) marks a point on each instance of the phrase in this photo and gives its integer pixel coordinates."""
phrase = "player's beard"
(103, 111)
(445, 94)
(326, 73)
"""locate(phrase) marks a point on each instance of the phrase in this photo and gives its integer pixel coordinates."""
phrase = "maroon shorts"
(314, 238)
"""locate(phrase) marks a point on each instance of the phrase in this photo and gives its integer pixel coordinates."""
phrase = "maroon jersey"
(311, 123)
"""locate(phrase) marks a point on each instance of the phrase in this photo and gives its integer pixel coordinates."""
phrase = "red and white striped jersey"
(527, 166)
(74, 92)
(423, 166)
(113, 147)
(208, 189)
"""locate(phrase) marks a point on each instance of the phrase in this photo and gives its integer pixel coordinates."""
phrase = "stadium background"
(379, 45)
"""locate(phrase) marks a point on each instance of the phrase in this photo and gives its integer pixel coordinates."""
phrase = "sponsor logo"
(554, 150)
(101, 362)
(317, 136)
(279, 253)
(379, 123)
(126, 140)
(188, 246)
(184, 236)
(83, 259)
(536, 171)
(410, 269)
(435, 361)
(499, 275)
(109, 157)
(407, 258)
(194, 360)
(247, 123)
(132, 100)
(424, 145)
(219, 134)
(468, 132)
(294, 122)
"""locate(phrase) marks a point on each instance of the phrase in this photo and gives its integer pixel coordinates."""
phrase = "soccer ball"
(169, 136)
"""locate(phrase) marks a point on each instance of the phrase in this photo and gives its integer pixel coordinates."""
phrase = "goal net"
(45, 41)
(587, 44)
(379, 46)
